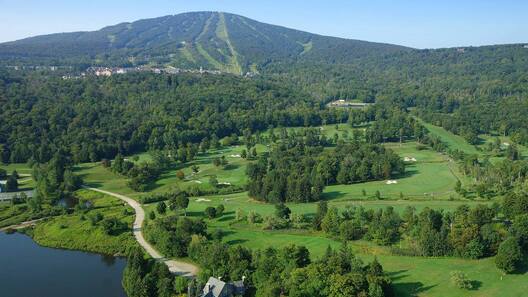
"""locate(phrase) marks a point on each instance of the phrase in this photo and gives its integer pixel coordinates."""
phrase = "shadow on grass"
(231, 166)
(475, 285)
(396, 275)
(226, 218)
(195, 214)
(523, 268)
(93, 184)
(410, 289)
(236, 241)
(333, 195)
(407, 289)
(409, 171)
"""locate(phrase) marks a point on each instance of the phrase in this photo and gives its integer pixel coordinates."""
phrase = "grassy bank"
(75, 231)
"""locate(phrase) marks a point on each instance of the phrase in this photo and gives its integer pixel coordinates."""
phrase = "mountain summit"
(213, 40)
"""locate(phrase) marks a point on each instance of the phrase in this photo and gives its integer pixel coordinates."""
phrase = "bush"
(180, 175)
(240, 215)
(153, 198)
(210, 212)
(460, 280)
(275, 223)
(96, 218)
(254, 218)
(180, 284)
(509, 256)
(161, 207)
(113, 226)
(220, 210)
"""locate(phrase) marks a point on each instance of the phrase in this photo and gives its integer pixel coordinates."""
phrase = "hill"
(213, 40)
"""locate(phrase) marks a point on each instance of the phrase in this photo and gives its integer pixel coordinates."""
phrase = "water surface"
(29, 270)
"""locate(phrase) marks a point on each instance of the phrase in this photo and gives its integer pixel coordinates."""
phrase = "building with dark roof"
(217, 288)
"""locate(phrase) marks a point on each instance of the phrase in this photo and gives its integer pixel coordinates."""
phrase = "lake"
(29, 270)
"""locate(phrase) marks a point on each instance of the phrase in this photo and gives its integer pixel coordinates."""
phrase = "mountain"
(213, 40)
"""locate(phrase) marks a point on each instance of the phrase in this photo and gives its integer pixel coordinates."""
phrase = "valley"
(207, 154)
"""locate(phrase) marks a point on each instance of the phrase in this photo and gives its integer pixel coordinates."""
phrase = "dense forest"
(298, 172)
(469, 91)
(288, 271)
(96, 118)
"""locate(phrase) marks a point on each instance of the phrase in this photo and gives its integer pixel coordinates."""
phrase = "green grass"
(73, 232)
(523, 150)
(432, 177)
(13, 215)
(221, 32)
(25, 182)
(327, 130)
(253, 236)
(452, 141)
(21, 168)
(234, 173)
(430, 277)
(412, 276)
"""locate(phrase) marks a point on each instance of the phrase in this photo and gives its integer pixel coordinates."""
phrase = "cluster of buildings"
(31, 67)
(109, 71)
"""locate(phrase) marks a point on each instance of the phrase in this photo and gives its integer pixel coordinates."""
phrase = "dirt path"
(177, 267)
(23, 224)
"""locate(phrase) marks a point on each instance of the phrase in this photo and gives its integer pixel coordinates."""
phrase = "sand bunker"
(409, 159)
(235, 156)
(391, 182)
(202, 200)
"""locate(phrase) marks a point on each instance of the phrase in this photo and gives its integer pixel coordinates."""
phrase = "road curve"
(176, 267)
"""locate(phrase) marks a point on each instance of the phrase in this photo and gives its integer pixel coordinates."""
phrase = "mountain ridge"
(214, 40)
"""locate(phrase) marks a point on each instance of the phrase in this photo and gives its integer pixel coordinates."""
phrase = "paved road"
(177, 267)
(9, 195)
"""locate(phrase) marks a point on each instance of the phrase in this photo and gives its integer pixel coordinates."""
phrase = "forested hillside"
(96, 118)
(211, 40)
(469, 91)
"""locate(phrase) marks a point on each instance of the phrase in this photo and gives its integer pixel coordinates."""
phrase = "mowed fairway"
(430, 277)
(431, 176)
(234, 173)
(412, 276)
(453, 141)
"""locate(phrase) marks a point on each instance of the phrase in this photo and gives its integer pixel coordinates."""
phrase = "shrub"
(180, 175)
(113, 226)
(210, 212)
(509, 256)
(254, 218)
(180, 284)
(275, 223)
(240, 215)
(460, 280)
(220, 210)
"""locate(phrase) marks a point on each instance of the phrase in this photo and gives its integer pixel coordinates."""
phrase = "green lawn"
(21, 168)
(327, 130)
(453, 141)
(234, 173)
(412, 276)
(430, 277)
(25, 182)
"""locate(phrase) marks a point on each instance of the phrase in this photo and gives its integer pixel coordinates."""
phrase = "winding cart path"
(177, 267)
